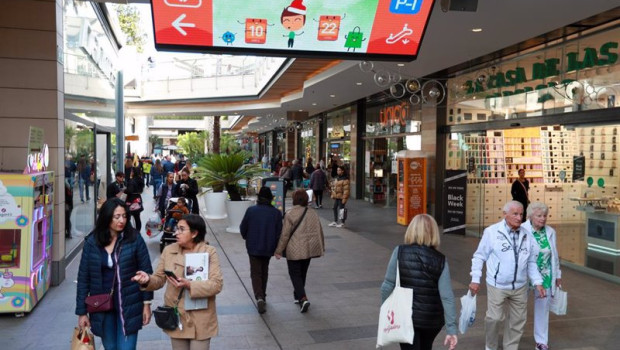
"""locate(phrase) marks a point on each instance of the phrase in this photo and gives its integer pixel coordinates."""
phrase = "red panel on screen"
(183, 22)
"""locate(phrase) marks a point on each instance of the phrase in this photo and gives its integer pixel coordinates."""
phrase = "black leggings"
(136, 217)
(318, 197)
(422, 340)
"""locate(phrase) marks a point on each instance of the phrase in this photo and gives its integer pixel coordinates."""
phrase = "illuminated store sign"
(588, 58)
(381, 29)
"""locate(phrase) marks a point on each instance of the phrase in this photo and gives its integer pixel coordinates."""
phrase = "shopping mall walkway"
(343, 288)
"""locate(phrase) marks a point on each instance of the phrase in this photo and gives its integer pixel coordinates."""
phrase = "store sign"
(455, 194)
(363, 29)
(397, 114)
(606, 54)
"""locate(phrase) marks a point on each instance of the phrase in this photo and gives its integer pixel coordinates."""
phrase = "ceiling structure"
(316, 86)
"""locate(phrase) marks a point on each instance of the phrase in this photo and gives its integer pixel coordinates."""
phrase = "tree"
(70, 133)
(229, 144)
(129, 20)
(216, 134)
(154, 140)
(192, 144)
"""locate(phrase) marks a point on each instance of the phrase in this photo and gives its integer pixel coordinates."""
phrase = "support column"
(292, 139)
(32, 94)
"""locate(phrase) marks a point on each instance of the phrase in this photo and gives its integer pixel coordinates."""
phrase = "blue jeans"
(113, 337)
(84, 184)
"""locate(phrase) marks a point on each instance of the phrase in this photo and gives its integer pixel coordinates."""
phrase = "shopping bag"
(468, 312)
(342, 214)
(559, 302)
(395, 323)
(82, 339)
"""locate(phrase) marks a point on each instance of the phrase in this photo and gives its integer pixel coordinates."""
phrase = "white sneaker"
(333, 224)
(339, 225)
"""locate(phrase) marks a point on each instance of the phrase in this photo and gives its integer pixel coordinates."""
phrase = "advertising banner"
(455, 195)
(387, 29)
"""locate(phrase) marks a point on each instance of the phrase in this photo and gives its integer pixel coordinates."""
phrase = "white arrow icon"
(178, 25)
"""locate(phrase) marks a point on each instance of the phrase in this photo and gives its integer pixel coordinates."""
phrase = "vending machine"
(26, 226)
(411, 196)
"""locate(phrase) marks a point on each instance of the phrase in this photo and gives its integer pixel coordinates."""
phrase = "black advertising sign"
(455, 193)
(361, 29)
(579, 168)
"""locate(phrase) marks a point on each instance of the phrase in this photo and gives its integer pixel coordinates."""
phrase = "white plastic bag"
(395, 323)
(468, 312)
(559, 302)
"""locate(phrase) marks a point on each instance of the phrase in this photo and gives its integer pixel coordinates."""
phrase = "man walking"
(261, 228)
(509, 252)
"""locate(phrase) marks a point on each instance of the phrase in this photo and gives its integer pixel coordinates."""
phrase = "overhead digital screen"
(347, 29)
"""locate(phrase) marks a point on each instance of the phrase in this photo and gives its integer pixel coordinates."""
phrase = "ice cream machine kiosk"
(26, 226)
(411, 195)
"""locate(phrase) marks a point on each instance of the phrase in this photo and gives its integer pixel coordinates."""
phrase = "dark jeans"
(318, 197)
(297, 270)
(422, 340)
(259, 272)
(337, 206)
(113, 337)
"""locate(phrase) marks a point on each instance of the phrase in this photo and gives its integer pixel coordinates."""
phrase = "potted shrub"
(224, 171)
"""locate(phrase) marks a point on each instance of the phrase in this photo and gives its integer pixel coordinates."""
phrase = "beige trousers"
(498, 300)
(190, 344)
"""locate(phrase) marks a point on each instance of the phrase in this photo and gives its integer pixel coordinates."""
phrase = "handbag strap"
(298, 222)
(176, 303)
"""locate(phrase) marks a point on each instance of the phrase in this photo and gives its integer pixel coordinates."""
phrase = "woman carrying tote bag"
(425, 270)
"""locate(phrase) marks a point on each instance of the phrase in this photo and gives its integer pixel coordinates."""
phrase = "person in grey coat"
(318, 182)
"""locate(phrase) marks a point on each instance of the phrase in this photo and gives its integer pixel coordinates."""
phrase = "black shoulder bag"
(295, 229)
(167, 317)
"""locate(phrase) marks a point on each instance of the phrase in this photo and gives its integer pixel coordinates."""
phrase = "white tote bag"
(395, 323)
(468, 312)
(559, 302)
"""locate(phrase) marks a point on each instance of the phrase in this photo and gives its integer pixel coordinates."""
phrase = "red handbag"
(101, 302)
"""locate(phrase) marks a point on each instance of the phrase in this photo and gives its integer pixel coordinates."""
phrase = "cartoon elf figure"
(293, 18)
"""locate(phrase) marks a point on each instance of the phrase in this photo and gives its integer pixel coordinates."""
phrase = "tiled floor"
(343, 288)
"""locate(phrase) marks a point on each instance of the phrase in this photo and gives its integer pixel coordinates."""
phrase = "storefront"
(553, 111)
(389, 128)
(309, 141)
(337, 136)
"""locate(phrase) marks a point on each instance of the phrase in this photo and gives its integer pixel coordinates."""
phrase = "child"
(177, 213)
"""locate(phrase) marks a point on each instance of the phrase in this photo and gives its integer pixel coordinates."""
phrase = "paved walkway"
(343, 288)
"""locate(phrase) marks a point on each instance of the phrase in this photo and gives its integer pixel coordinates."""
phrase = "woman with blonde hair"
(548, 263)
(425, 270)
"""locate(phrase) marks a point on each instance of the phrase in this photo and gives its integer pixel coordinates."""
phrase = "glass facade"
(90, 66)
(337, 136)
(573, 169)
(389, 128)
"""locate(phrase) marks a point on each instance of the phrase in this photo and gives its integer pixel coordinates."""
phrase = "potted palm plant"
(225, 171)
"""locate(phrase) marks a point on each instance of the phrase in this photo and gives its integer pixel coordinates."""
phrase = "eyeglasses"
(181, 229)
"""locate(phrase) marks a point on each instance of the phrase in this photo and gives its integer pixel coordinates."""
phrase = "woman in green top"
(549, 267)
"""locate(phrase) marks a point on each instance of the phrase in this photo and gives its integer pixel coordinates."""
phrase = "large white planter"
(215, 205)
(236, 211)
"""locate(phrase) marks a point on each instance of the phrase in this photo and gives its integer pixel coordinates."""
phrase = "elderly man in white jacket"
(510, 253)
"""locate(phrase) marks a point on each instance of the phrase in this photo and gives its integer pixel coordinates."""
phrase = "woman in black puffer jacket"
(113, 253)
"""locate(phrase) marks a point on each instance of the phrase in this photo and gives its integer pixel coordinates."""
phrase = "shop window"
(10, 247)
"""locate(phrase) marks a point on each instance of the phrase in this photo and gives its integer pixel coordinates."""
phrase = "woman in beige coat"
(302, 239)
(199, 326)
